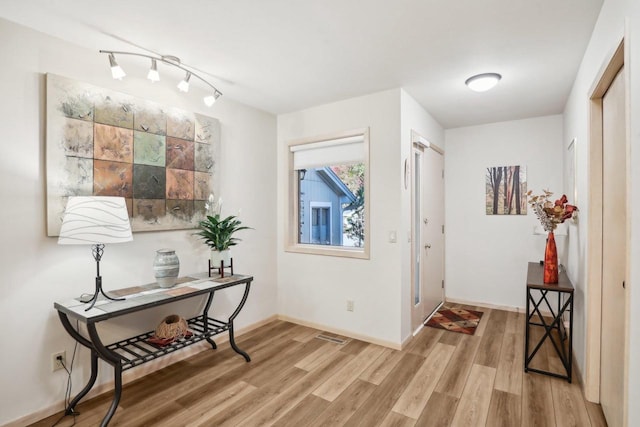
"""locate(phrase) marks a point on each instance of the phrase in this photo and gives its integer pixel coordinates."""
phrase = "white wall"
(315, 288)
(37, 272)
(616, 17)
(413, 117)
(487, 255)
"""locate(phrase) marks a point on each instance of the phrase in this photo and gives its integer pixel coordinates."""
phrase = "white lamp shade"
(95, 219)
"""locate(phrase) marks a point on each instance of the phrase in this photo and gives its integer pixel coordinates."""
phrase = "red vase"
(550, 261)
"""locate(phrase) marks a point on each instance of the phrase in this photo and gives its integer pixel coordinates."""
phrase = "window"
(320, 223)
(328, 209)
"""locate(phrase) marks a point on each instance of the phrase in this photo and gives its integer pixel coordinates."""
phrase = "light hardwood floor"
(295, 379)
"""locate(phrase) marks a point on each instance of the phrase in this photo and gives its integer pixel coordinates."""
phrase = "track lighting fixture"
(118, 73)
(183, 86)
(153, 72)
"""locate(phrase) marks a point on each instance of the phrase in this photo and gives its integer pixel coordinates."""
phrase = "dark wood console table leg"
(232, 339)
(527, 331)
(117, 376)
(114, 360)
(70, 410)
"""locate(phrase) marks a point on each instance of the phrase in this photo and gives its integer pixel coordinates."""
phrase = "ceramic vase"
(550, 261)
(166, 267)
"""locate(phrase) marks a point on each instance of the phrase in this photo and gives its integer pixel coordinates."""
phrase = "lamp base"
(97, 292)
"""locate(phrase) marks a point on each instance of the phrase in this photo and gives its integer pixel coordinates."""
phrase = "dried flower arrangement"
(551, 213)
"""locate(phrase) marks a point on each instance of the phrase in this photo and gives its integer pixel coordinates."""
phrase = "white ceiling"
(286, 55)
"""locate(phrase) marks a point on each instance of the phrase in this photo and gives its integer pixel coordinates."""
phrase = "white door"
(428, 232)
(614, 251)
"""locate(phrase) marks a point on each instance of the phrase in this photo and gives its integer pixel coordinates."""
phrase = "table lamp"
(95, 220)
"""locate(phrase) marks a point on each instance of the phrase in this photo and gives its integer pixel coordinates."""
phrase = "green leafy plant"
(218, 233)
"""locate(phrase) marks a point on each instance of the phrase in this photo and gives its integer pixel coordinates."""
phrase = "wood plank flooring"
(440, 379)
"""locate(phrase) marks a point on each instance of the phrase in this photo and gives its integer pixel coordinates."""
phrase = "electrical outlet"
(349, 305)
(57, 360)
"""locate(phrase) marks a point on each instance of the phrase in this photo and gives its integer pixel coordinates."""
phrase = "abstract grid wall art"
(162, 160)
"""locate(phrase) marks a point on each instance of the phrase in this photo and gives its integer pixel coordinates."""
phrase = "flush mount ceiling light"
(483, 82)
(118, 73)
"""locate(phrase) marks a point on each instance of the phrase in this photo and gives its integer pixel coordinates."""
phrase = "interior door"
(428, 232)
(614, 251)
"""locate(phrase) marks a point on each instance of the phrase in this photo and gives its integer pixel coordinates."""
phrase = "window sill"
(336, 251)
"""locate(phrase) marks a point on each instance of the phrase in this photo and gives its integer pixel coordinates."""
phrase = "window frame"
(293, 202)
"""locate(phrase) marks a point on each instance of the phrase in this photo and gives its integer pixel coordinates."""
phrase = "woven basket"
(172, 326)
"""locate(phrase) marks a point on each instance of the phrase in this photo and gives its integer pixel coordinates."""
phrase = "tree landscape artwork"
(506, 188)
(162, 160)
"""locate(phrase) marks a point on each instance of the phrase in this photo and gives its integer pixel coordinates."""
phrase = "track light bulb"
(153, 72)
(211, 99)
(183, 86)
(116, 71)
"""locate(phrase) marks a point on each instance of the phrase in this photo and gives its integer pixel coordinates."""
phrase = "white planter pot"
(217, 256)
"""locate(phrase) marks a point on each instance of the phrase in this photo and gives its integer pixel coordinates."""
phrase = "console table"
(537, 294)
(134, 351)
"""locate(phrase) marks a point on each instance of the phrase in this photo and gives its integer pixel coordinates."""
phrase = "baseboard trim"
(495, 307)
(342, 332)
(138, 372)
(486, 305)
(578, 373)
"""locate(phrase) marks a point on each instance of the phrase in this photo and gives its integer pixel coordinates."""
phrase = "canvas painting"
(162, 160)
(506, 188)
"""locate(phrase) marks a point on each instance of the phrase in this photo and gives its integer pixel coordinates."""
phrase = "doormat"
(456, 320)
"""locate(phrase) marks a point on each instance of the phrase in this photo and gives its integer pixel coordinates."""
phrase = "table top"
(138, 298)
(535, 279)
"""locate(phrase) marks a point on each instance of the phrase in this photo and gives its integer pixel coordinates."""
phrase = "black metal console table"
(538, 293)
(134, 351)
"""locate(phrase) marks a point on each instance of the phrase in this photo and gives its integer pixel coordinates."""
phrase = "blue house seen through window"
(326, 203)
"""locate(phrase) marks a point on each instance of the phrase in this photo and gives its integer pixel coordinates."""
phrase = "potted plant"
(217, 232)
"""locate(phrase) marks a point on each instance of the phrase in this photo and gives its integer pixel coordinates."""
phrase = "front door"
(428, 232)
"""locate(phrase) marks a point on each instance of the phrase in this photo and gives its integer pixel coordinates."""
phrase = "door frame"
(417, 139)
(601, 83)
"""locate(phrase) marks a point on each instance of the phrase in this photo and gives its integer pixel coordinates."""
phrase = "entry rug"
(456, 320)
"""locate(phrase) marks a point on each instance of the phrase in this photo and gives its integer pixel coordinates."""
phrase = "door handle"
(426, 221)
(427, 246)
